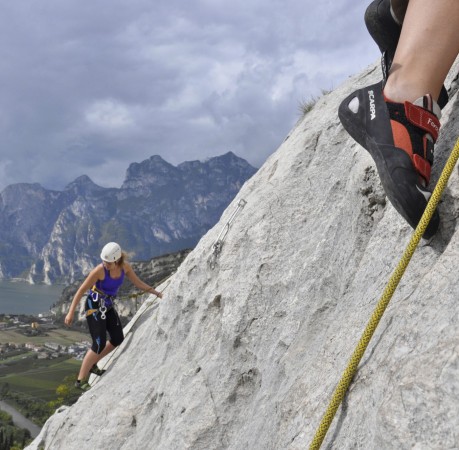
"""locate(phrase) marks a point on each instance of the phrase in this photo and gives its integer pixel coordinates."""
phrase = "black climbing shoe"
(382, 27)
(82, 385)
(400, 138)
(96, 371)
(385, 31)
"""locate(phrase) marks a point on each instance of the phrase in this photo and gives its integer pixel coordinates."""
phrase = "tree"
(4, 390)
(10, 441)
(63, 391)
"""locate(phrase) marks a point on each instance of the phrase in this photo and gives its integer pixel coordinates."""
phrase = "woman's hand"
(69, 318)
(155, 292)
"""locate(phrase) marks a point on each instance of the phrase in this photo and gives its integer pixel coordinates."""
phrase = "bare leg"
(108, 348)
(428, 46)
(92, 358)
(89, 360)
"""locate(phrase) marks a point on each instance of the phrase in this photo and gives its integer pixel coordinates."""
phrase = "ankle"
(403, 85)
(399, 92)
(424, 100)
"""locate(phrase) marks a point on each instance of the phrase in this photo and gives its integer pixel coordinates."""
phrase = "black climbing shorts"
(98, 327)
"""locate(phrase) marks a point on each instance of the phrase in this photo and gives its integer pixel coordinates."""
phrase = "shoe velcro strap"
(422, 166)
(423, 119)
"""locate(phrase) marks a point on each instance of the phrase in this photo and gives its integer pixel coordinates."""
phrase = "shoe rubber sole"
(83, 386)
(382, 27)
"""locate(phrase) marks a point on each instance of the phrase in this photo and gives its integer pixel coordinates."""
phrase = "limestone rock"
(245, 355)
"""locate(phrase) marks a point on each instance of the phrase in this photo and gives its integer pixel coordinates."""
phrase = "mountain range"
(55, 236)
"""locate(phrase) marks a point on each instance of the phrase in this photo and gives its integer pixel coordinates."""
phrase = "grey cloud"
(89, 87)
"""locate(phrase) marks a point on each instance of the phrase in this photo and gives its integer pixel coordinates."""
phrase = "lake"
(25, 298)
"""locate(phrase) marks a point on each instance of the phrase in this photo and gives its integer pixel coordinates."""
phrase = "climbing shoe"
(400, 138)
(383, 27)
(96, 371)
(82, 385)
(385, 31)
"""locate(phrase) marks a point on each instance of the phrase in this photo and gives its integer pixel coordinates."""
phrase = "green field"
(60, 336)
(38, 378)
(29, 384)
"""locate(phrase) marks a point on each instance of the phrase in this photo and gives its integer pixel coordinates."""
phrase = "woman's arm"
(96, 274)
(137, 282)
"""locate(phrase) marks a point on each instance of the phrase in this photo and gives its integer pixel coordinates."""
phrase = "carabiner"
(102, 309)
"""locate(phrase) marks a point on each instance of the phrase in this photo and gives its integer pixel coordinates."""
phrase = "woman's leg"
(100, 347)
(114, 328)
(427, 48)
(108, 348)
(92, 358)
(98, 329)
(89, 360)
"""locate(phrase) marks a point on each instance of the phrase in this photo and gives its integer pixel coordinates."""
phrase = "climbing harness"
(392, 284)
(106, 302)
(218, 244)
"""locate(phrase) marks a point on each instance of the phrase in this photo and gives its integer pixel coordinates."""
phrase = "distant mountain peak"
(80, 181)
(56, 235)
(83, 185)
(155, 171)
(226, 158)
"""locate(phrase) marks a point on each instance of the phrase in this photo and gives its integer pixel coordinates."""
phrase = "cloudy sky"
(87, 87)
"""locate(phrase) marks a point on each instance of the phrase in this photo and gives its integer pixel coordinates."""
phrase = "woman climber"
(103, 284)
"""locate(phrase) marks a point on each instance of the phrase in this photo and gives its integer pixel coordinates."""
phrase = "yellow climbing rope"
(394, 280)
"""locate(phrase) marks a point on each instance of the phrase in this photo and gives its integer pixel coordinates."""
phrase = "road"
(19, 420)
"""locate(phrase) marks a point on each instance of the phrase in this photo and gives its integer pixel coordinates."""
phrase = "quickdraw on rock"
(218, 244)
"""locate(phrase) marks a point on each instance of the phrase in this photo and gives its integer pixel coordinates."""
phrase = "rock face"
(49, 236)
(247, 354)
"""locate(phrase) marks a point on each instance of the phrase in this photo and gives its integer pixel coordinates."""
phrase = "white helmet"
(111, 252)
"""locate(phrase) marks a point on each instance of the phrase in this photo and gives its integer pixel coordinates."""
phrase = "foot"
(96, 371)
(400, 138)
(385, 31)
(82, 385)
